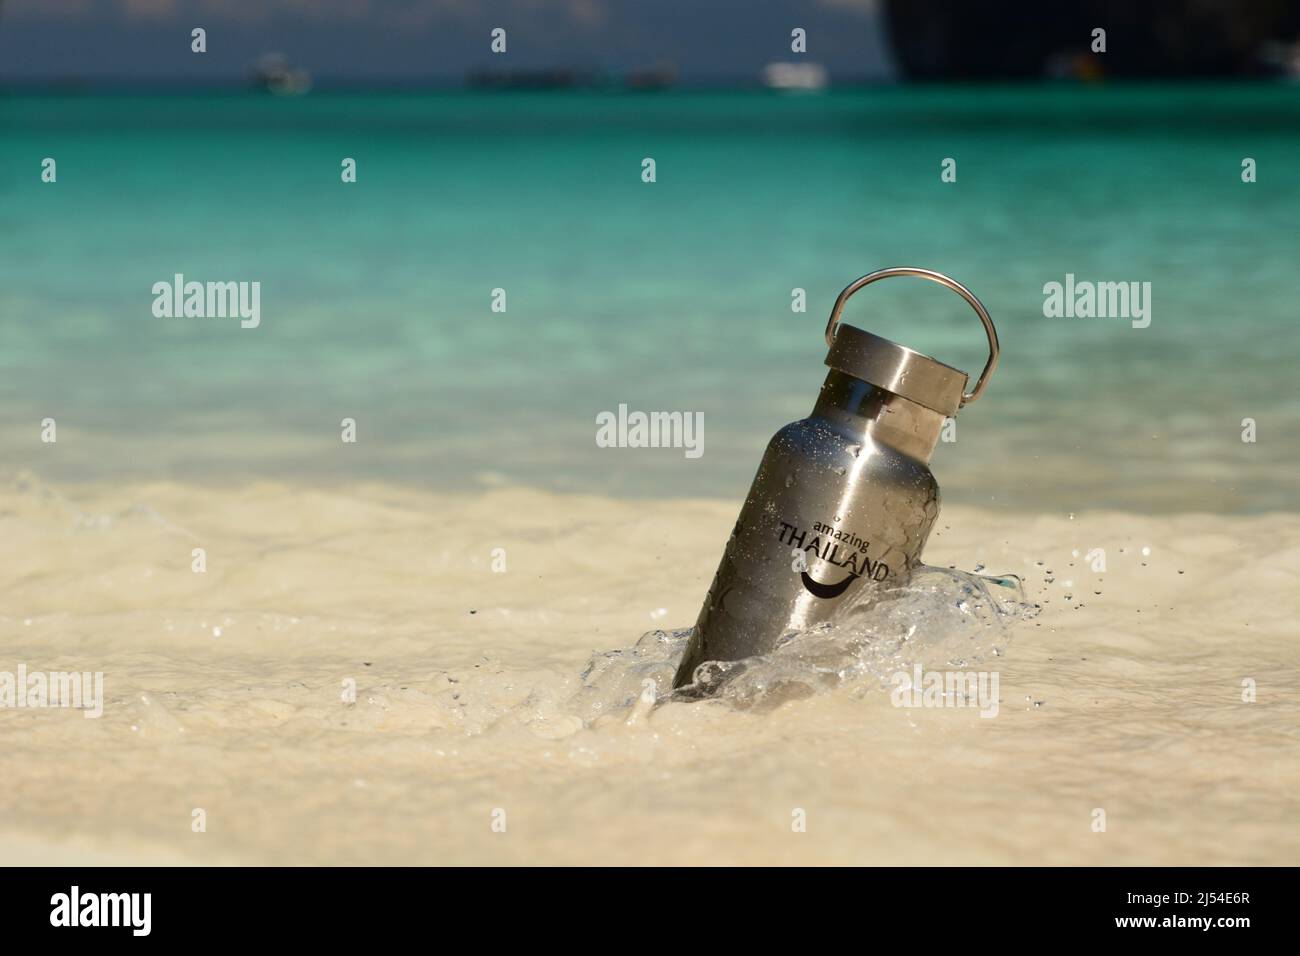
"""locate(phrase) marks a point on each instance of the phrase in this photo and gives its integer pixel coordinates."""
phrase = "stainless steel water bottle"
(843, 499)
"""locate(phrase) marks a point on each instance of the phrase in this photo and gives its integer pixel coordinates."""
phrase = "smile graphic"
(827, 590)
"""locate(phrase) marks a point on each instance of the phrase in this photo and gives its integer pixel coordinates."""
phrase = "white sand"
(1141, 709)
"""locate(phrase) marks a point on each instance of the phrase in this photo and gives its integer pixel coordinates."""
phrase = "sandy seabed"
(224, 690)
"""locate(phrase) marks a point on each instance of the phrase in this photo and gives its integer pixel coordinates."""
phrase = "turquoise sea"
(674, 295)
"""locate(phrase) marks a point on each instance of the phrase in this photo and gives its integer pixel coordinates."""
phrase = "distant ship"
(795, 76)
(659, 76)
(275, 74)
(1023, 39)
(556, 78)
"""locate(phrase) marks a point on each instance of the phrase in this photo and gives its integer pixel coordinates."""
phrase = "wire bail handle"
(945, 281)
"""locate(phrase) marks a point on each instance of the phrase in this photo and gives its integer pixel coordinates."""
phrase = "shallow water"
(937, 619)
(225, 690)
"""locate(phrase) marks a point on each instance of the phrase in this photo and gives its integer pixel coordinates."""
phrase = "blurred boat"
(795, 76)
(555, 78)
(275, 74)
(658, 77)
(661, 76)
(1282, 59)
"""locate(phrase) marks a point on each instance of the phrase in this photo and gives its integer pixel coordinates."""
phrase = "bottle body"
(843, 500)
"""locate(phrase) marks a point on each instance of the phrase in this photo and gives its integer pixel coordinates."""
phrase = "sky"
(413, 40)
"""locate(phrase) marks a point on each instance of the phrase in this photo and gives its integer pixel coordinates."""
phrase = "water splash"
(938, 617)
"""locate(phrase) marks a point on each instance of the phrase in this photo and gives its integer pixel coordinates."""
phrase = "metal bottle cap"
(899, 369)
